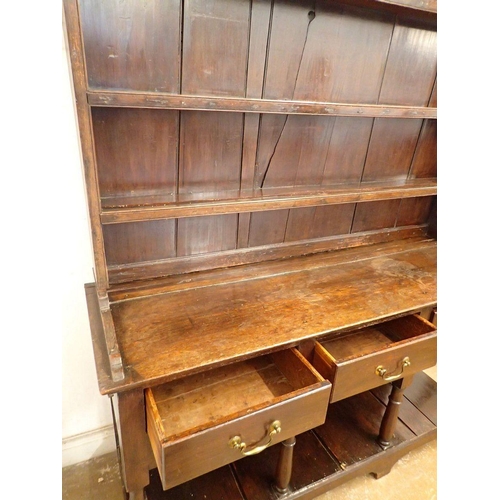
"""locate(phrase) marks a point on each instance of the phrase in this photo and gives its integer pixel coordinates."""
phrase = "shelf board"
(426, 9)
(169, 206)
(424, 5)
(269, 309)
(106, 98)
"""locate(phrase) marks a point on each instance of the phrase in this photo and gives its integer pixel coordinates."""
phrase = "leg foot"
(137, 495)
(382, 471)
(390, 418)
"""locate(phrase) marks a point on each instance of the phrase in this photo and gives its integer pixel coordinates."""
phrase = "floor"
(414, 477)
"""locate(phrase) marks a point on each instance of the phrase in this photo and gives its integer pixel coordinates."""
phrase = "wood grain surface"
(207, 326)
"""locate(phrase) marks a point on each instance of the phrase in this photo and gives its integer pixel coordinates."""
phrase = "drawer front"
(398, 360)
(192, 455)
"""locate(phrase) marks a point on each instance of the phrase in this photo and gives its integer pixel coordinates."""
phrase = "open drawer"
(205, 421)
(370, 357)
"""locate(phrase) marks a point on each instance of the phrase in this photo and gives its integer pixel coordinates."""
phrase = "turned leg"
(284, 467)
(390, 418)
(134, 443)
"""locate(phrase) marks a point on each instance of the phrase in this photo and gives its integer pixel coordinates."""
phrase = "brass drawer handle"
(238, 444)
(382, 372)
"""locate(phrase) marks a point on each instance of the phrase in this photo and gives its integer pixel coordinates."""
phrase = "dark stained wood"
(199, 235)
(134, 445)
(201, 262)
(271, 128)
(99, 344)
(391, 150)
(347, 150)
(299, 155)
(343, 55)
(432, 225)
(257, 48)
(316, 471)
(351, 434)
(375, 215)
(319, 222)
(350, 361)
(210, 160)
(245, 314)
(289, 30)
(248, 162)
(422, 394)
(311, 463)
(390, 418)
(267, 228)
(136, 150)
(260, 176)
(112, 347)
(417, 418)
(245, 105)
(424, 162)
(184, 407)
(132, 45)
(407, 328)
(261, 269)
(213, 64)
(414, 210)
(79, 77)
(217, 485)
(210, 152)
(163, 206)
(249, 153)
(411, 65)
(285, 464)
(433, 99)
(238, 404)
(420, 9)
(139, 241)
(297, 370)
(427, 5)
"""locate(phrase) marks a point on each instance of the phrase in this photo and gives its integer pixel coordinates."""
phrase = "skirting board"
(87, 445)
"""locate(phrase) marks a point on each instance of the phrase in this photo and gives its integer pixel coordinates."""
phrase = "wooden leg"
(383, 470)
(390, 418)
(284, 467)
(137, 495)
(134, 443)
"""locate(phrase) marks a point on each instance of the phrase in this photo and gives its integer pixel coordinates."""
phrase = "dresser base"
(341, 449)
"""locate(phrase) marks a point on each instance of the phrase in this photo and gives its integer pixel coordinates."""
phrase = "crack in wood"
(311, 15)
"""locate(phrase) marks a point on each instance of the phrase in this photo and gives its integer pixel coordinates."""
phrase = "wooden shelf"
(128, 273)
(322, 293)
(161, 100)
(425, 9)
(423, 5)
(168, 206)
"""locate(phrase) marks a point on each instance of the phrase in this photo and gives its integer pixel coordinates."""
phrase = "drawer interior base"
(217, 395)
(201, 401)
(377, 338)
(348, 434)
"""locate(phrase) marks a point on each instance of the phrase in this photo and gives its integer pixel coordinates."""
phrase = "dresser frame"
(199, 265)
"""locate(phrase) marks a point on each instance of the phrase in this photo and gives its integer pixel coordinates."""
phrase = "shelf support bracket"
(114, 355)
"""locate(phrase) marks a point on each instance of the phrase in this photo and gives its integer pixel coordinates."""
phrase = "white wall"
(86, 415)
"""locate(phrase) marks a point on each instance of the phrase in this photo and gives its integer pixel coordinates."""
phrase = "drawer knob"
(238, 444)
(382, 372)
